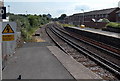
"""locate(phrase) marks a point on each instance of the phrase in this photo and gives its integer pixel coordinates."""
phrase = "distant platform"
(99, 31)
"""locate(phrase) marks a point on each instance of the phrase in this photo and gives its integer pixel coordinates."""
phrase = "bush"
(112, 24)
(105, 20)
(28, 24)
(68, 25)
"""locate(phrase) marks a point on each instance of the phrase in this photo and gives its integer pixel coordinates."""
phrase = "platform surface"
(33, 62)
(77, 70)
(99, 31)
(43, 61)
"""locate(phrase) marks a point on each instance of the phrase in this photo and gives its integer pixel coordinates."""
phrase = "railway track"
(100, 44)
(97, 44)
(100, 60)
(109, 52)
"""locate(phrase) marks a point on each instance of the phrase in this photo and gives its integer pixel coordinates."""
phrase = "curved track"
(102, 61)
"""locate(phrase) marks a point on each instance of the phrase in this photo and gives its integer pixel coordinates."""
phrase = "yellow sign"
(7, 37)
(8, 29)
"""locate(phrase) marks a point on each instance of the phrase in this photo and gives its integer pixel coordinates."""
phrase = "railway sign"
(2, 12)
(8, 31)
(8, 38)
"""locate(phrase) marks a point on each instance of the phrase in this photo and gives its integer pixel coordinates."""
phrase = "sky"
(58, 7)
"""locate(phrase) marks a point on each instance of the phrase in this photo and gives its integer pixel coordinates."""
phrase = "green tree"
(62, 17)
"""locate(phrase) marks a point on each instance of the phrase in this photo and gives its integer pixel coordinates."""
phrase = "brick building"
(112, 14)
(118, 16)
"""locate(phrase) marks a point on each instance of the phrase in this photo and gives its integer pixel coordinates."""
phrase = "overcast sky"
(58, 7)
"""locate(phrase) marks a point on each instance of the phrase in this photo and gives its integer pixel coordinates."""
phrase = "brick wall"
(95, 24)
(98, 37)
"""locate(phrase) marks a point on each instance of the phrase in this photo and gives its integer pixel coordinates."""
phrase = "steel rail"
(103, 49)
(111, 66)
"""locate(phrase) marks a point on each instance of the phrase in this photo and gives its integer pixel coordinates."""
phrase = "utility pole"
(1, 5)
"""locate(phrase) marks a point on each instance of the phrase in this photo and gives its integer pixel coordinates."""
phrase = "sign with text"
(2, 12)
(7, 37)
(8, 31)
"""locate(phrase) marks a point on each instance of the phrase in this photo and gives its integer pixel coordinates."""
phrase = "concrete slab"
(35, 63)
(77, 70)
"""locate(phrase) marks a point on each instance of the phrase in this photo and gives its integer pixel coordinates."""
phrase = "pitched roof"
(103, 11)
(118, 11)
(95, 12)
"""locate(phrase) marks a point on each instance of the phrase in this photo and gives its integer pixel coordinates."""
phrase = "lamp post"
(83, 16)
(8, 12)
(8, 8)
(26, 12)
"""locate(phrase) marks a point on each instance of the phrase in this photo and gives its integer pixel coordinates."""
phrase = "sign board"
(2, 12)
(7, 37)
(8, 31)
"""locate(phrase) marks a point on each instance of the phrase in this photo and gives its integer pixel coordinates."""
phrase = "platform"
(43, 61)
(77, 70)
(99, 31)
(33, 62)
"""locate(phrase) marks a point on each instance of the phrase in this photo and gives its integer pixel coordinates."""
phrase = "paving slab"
(77, 70)
(35, 63)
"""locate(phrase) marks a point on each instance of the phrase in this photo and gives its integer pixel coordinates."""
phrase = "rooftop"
(103, 11)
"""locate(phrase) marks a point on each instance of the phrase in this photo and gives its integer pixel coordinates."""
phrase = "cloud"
(60, 11)
(84, 7)
(42, 0)
(58, 7)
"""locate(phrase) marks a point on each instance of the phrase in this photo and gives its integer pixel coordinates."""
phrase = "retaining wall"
(98, 37)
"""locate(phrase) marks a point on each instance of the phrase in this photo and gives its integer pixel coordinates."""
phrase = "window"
(118, 14)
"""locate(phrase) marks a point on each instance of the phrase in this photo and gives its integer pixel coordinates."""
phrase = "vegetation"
(112, 24)
(68, 25)
(62, 17)
(28, 24)
(105, 20)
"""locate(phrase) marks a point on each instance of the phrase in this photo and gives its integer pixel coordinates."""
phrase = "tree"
(44, 15)
(54, 19)
(32, 20)
(49, 16)
(62, 17)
